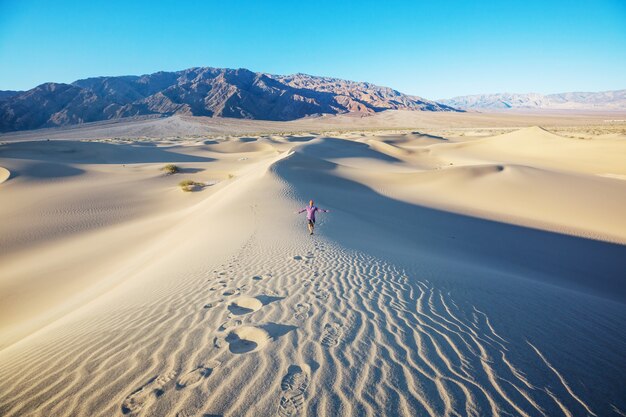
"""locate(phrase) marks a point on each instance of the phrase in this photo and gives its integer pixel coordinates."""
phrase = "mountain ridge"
(602, 100)
(199, 91)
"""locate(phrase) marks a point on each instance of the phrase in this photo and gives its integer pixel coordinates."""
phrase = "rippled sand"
(458, 272)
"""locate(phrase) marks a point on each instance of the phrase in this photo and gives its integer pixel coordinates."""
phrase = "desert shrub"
(231, 176)
(170, 169)
(188, 185)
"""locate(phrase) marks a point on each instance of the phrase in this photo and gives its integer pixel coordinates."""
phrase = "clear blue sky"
(435, 49)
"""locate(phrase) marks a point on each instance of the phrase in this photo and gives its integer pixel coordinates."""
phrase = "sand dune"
(451, 277)
(535, 146)
(4, 174)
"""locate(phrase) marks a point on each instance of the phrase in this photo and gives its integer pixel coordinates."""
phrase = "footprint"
(212, 304)
(321, 295)
(247, 339)
(293, 386)
(331, 334)
(217, 287)
(235, 291)
(219, 342)
(196, 375)
(302, 311)
(262, 277)
(229, 324)
(244, 305)
(147, 393)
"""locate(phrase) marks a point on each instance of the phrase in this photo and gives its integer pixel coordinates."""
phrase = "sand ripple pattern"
(312, 329)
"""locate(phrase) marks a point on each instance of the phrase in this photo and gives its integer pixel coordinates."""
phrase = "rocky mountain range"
(213, 92)
(605, 100)
(5, 94)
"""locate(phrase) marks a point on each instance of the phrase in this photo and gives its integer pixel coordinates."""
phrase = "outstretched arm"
(301, 211)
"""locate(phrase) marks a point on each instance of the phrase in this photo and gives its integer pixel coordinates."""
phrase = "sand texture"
(473, 269)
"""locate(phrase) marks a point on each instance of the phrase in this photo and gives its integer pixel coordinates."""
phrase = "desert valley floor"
(470, 264)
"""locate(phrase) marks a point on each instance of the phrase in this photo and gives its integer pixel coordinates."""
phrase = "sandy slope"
(429, 289)
(525, 177)
(4, 174)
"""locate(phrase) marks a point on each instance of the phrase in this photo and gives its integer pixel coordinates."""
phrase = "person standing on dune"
(311, 209)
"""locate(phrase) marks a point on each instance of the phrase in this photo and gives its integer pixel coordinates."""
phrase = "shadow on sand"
(66, 151)
(362, 217)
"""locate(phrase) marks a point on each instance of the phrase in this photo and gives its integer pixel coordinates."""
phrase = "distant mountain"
(605, 100)
(213, 92)
(361, 96)
(5, 94)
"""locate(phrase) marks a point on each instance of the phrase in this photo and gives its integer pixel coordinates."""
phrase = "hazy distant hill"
(212, 92)
(605, 100)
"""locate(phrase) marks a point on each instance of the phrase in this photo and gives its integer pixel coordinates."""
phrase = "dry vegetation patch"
(170, 169)
(190, 185)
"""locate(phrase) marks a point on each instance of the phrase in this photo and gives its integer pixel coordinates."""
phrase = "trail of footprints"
(437, 319)
(293, 385)
(426, 331)
(150, 392)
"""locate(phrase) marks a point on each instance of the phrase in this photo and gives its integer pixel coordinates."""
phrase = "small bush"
(170, 169)
(189, 185)
(231, 176)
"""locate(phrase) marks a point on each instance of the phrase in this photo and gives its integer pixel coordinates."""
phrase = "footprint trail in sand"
(294, 328)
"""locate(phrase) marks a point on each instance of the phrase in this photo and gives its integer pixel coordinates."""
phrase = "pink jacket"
(310, 211)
